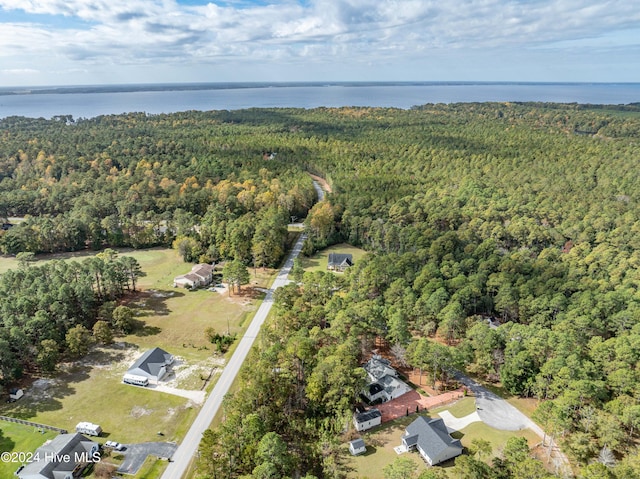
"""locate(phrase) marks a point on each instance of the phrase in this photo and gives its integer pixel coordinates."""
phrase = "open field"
(19, 438)
(93, 391)
(318, 262)
(171, 318)
(381, 440)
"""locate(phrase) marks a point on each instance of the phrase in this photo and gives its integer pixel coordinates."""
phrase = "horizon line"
(128, 87)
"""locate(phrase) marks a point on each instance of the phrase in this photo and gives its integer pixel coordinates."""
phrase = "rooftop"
(368, 415)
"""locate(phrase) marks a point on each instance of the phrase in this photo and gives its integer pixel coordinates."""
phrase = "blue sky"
(73, 42)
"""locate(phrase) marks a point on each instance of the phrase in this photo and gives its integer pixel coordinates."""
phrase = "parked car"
(114, 445)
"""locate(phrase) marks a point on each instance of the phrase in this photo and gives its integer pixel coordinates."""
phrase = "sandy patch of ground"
(139, 411)
(157, 294)
(42, 389)
(182, 372)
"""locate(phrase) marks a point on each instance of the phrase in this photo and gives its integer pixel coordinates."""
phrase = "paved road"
(189, 446)
(319, 190)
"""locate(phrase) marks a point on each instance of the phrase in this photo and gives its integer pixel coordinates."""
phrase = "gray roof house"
(378, 367)
(368, 419)
(200, 275)
(431, 439)
(357, 446)
(64, 457)
(384, 383)
(152, 365)
(339, 261)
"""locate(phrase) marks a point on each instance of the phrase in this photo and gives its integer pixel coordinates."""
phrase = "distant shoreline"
(159, 87)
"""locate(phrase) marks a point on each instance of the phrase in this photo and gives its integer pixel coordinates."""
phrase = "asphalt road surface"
(497, 412)
(189, 446)
(136, 454)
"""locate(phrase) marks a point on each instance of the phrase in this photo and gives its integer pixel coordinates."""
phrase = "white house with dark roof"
(357, 446)
(339, 261)
(64, 457)
(149, 368)
(384, 384)
(377, 367)
(200, 275)
(366, 420)
(432, 440)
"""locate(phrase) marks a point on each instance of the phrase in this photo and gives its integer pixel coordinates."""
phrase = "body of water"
(88, 102)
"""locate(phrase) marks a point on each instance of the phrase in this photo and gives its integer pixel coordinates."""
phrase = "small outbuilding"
(367, 420)
(15, 394)
(357, 447)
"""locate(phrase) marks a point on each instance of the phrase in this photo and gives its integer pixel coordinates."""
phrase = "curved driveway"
(495, 411)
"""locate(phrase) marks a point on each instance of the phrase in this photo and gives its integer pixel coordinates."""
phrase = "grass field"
(171, 318)
(381, 441)
(318, 262)
(19, 438)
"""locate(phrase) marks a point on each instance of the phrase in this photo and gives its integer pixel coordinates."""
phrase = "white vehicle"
(135, 380)
(88, 429)
(114, 445)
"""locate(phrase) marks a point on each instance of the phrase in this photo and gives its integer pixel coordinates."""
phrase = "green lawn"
(171, 318)
(96, 394)
(459, 409)
(381, 440)
(19, 438)
(380, 443)
(318, 262)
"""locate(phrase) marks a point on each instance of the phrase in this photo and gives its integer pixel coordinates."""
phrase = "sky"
(90, 42)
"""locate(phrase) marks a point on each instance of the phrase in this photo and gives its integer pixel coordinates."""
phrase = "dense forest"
(525, 214)
(59, 309)
(139, 180)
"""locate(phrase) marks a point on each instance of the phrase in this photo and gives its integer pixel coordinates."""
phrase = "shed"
(15, 394)
(357, 446)
(367, 420)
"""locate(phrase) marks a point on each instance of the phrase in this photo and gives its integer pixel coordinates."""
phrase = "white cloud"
(130, 32)
(19, 71)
